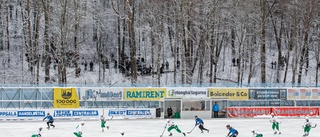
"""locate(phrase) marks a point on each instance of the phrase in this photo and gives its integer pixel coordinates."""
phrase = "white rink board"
(291, 127)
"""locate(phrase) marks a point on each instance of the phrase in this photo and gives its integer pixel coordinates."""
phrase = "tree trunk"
(1, 31)
(303, 58)
(188, 47)
(30, 45)
(251, 60)
(317, 53)
(212, 52)
(62, 72)
(75, 39)
(47, 55)
(119, 38)
(263, 42)
(202, 50)
(132, 42)
(37, 32)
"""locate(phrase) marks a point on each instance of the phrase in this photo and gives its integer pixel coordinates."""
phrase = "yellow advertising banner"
(65, 98)
(229, 93)
(144, 93)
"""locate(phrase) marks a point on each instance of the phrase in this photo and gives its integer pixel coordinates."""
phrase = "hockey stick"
(163, 131)
(315, 125)
(192, 129)
(111, 118)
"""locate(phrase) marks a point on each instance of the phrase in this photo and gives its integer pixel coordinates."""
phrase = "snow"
(290, 127)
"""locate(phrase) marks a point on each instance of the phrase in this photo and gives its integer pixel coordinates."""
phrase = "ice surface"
(290, 127)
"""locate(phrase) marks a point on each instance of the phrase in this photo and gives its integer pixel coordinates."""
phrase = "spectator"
(91, 65)
(178, 64)
(115, 64)
(202, 105)
(192, 108)
(215, 110)
(161, 69)
(238, 61)
(85, 65)
(167, 65)
(233, 61)
(169, 111)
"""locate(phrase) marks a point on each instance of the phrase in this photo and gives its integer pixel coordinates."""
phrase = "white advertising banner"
(187, 92)
(132, 112)
(303, 93)
(100, 93)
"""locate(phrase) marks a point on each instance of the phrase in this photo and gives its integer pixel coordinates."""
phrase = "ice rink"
(290, 127)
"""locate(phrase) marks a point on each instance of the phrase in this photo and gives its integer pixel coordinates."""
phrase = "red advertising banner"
(296, 111)
(248, 111)
(279, 111)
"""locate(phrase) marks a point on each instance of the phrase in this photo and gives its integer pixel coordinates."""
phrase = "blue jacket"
(199, 121)
(49, 117)
(215, 107)
(232, 132)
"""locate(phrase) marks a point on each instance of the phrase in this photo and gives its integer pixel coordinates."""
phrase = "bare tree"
(263, 41)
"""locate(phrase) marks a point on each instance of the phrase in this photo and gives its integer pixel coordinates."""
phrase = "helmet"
(196, 116)
(82, 122)
(252, 130)
(168, 120)
(307, 118)
(272, 113)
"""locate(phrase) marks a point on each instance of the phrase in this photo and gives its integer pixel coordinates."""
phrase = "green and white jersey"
(273, 119)
(102, 118)
(256, 132)
(170, 124)
(78, 128)
(37, 132)
(307, 124)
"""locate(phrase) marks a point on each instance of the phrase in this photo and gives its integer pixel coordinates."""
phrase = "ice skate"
(184, 134)
(170, 134)
(275, 132)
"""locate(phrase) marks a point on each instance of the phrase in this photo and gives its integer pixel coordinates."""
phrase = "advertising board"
(190, 92)
(139, 94)
(229, 93)
(100, 93)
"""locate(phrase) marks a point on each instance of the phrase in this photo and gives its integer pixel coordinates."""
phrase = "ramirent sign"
(144, 93)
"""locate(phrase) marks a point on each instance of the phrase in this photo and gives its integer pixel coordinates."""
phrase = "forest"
(160, 42)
